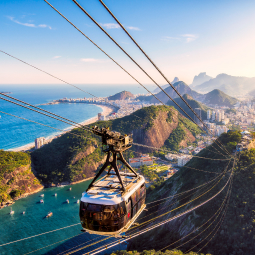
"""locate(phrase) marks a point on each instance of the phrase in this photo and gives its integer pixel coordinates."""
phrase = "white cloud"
(56, 57)
(185, 37)
(134, 28)
(110, 25)
(28, 24)
(189, 37)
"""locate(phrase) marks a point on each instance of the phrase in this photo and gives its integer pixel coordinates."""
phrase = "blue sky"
(183, 37)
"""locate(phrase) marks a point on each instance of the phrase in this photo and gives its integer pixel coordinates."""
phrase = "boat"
(112, 203)
(23, 212)
(11, 212)
(49, 214)
(78, 201)
(56, 194)
(42, 195)
(41, 201)
(67, 201)
(70, 188)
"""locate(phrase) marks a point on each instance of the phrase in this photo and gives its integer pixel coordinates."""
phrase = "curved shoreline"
(107, 110)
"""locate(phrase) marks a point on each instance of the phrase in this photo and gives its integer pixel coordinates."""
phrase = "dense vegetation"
(236, 234)
(10, 161)
(63, 159)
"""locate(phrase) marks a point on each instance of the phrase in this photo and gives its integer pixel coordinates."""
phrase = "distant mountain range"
(232, 85)
(157, 90)
(214, 97)
(199, 79)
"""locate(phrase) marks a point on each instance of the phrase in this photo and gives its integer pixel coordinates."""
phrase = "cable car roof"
(107, 191)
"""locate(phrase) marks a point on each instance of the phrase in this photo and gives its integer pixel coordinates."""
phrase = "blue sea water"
(33, 222)
(15, 132)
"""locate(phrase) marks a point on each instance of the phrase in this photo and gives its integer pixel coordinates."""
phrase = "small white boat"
(78, 201)
(67, 201)
(56, 194)
(23, 212)
(70, 188)
(49, 214)
(41, 201)
(42, 195)
(11, 212)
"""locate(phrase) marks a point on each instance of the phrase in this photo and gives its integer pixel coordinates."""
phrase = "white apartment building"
(183, 160)
(39, 142)
(209, 114)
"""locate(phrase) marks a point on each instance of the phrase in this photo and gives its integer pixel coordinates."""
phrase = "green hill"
(236, 233)
(72, 157)
(180, 86)
(121, 96)
(193, 103)
(16, 177)
(220, 98)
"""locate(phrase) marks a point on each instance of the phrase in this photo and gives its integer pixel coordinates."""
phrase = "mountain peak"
(199, 79)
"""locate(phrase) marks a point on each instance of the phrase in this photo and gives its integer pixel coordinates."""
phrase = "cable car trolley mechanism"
(111, 204)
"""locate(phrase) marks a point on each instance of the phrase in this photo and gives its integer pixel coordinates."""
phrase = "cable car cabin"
(106, 210)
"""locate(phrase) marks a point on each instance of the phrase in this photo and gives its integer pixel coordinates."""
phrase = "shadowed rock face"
(160, 131)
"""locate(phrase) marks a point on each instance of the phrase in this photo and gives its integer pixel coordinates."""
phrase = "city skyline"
(184, 38)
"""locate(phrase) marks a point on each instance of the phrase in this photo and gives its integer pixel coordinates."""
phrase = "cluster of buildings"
(143, 160)
(244, 114)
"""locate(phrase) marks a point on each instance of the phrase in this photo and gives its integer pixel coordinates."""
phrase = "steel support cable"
(109, 56)
(26, 238)
(55, 77)
(79, 125)
(219, 223)
(78, 245)
(93, 140)
(142, 68)
(71, 252)
(82, 248)
(101, 49)
(200, 170)
(52, 244)
(184, 191)
(216, 213)
(40, 109)
(151, 147)
(177, 201)
(225, 205)
(46, 114)
(134, 41)
(133, 61)
(98, 250)
(148, 221)
(223, 217)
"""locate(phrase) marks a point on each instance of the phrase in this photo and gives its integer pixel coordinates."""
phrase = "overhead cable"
(146, 72)
(176, 91)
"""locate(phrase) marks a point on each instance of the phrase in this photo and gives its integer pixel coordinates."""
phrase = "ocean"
(15, 132)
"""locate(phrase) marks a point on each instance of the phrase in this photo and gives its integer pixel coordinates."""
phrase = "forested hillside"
(72, 157)
(235, 234)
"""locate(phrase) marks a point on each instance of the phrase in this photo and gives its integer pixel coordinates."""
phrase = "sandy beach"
(107, 110)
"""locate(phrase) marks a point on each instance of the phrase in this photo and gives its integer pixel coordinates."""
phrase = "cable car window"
(134, 198)
(138, 192)
(94, 208)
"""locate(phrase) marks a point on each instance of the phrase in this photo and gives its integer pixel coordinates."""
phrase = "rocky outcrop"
(18, 183)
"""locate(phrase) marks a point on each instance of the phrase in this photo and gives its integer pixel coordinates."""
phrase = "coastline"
(107, 110)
